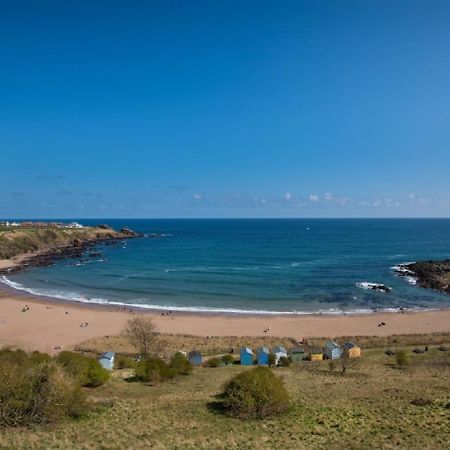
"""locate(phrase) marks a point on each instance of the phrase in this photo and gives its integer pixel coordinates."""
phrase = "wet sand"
(49, 323)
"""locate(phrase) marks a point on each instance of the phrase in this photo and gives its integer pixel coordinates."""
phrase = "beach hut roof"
(246, 350)
(263, 349)
(331, 344)
(279, 349)
(108, 355)
(296, 350)
(349, 345)
(314, 350)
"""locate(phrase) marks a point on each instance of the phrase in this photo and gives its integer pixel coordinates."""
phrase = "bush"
(86, 370)
(402, 358)
(18, 357)
(284, 361)
(255, 393)
(124, 362)
(214, 362)
(272, 359)
(228, 359)
(37, 395)
(153, 369)
(180, 364)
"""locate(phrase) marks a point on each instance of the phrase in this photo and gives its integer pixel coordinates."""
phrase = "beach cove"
(51, 325)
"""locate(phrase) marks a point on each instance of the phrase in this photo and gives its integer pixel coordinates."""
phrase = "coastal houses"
(246, 356)
(331, 350)
(297, 354)
(262, 356)
(107, 360)
(279, 351)
(195, 358)
(352, 350)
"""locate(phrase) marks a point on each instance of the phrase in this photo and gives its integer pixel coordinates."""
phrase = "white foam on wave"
(77, 297)
(402, 271)
(229, 268)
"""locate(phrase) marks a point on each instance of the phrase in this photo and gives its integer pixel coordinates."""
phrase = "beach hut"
(279, 351)
(195, 358)
(297, 354)
(352, 350)
(262, 356)
(246, 356)
(315, 354)
(331, 350)
(107, 360)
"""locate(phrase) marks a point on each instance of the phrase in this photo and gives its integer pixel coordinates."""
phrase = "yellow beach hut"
(315, 354)
(352, 350)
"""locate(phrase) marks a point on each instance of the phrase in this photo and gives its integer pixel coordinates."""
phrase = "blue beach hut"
(107, 360)
(331, 350)
(246, 356)
(195, 358)
(262, 356)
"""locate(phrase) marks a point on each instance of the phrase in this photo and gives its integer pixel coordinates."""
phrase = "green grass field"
(369, 407)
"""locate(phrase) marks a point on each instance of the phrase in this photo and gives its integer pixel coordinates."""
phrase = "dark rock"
(429, 274)
(389, 352)
(128, 232)
(104, 226)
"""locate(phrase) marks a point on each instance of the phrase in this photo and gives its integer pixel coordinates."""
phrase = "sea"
(250, 266)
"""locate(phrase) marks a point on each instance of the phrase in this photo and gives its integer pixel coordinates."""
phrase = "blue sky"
(225, 109)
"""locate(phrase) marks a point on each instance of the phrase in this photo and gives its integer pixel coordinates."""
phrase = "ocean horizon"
(250, 266)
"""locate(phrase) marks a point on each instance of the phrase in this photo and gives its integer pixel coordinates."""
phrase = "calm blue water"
(253, 265)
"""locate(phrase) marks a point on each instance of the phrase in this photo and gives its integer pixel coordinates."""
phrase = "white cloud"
(197, 196)
(263, 201)
(314, 198)
(328, 196)
(288, 196)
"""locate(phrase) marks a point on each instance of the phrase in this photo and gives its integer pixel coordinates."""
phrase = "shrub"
(228, 359)
(402, 358)
(18, 357)
(153, 369)
(86, 370)
(284, 361)
(124, 362)
(180, 364)
(141, 331)
(38, 395)
(255, 393)
(39, 358)
(272, 359)
(214, 362)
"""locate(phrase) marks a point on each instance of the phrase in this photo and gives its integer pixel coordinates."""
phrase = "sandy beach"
(49, 323)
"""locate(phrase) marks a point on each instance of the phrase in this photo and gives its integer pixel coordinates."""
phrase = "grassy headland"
(19, 244)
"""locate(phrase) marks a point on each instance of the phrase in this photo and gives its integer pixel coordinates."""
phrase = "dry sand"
(50, 323)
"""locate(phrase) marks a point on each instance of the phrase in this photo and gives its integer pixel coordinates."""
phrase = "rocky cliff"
(35, 246)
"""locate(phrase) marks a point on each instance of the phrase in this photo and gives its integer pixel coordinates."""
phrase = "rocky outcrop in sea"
(427, 274)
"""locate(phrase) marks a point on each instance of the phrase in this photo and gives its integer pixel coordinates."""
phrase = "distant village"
(29, 224)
